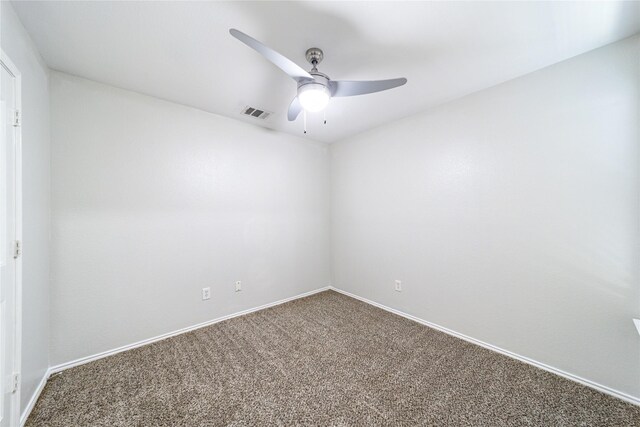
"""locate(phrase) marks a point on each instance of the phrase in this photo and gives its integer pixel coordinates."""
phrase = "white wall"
(154, 201)
(511, 215)
(36, 199)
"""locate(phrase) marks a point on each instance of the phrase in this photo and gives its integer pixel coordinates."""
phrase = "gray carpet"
(323, 360)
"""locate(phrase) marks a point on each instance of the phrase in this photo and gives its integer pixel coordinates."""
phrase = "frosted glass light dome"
(313, 97)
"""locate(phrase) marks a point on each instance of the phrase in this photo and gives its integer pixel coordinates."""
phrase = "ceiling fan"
(315, 89)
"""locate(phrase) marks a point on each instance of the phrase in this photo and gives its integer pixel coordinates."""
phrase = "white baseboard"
(604, 389)
(87, 359)
(34, 398)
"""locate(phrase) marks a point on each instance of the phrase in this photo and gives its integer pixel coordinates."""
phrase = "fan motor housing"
(318, 78)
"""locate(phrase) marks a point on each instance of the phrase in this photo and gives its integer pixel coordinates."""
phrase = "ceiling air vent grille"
(256, 112)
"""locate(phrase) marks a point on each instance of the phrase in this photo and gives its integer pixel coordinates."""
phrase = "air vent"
(256, 112)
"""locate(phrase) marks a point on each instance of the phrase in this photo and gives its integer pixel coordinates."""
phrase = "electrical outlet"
(398, 286)
(206, 293)
(238, 286)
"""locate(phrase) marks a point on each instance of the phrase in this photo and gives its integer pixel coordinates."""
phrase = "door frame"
(15, 415)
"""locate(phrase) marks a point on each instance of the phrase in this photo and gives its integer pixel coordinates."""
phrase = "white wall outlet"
(398, 287)
(238, 286)
(206, 293)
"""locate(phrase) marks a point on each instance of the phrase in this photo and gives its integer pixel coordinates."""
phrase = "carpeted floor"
(325, 360)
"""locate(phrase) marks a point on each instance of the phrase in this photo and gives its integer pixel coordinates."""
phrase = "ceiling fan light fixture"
(315, 89)
(313, 97)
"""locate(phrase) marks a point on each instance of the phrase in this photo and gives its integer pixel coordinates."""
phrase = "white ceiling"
(182, 51)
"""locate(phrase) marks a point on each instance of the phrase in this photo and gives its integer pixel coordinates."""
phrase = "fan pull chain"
(304, 114)
(325, 116)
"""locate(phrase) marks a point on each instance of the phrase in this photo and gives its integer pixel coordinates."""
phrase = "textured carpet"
(323, 360)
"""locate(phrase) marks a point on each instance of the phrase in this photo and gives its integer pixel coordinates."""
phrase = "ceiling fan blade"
(294, 109)
(285, 64)
(353, 88)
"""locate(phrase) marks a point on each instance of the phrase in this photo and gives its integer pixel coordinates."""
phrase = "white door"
(9, 398)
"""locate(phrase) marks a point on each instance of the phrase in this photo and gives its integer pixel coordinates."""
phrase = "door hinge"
(17, 249)
(15, 382)
(17, 118)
